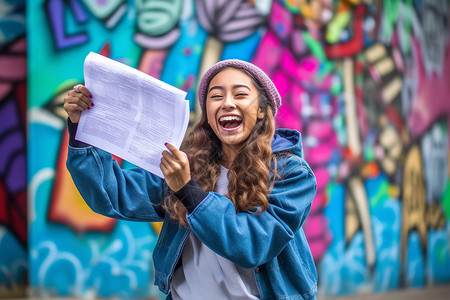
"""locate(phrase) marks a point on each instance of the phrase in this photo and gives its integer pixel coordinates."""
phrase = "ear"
(261, 113)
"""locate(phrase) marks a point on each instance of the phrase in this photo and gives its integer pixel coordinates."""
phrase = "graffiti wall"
(13, 172)
(366, 82)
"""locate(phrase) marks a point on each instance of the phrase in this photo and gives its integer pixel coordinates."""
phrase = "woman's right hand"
(77, 101)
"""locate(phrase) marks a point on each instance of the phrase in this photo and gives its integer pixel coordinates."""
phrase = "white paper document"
(133, 115)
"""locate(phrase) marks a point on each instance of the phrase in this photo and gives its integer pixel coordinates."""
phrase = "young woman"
(233, 200)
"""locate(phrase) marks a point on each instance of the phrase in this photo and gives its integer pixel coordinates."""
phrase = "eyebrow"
(218, 87)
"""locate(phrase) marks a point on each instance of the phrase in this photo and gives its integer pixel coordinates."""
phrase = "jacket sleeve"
(249, 239)
(132, 195)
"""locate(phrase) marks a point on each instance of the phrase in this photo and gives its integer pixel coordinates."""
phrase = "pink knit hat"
(269, 87)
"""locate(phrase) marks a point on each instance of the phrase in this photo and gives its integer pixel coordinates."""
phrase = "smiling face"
(232, 109)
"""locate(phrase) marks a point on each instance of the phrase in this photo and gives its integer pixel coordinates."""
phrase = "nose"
(228, 102)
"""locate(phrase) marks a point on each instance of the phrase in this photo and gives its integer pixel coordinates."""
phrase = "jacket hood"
(287, 140)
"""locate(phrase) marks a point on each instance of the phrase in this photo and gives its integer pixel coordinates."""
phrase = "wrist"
(191, 195)
(72, 128)
(74, 119)
(186, 180)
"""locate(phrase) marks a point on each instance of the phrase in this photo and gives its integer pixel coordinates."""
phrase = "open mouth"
(230, 123)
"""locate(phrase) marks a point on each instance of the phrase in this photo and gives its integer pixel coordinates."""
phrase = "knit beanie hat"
(267, 84)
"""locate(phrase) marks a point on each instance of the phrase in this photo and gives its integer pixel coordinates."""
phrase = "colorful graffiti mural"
(366, 83)
(13, 172)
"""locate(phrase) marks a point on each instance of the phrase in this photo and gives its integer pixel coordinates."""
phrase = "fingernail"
(90, 96)
(92, 103)
(89, 107)
(165, 144)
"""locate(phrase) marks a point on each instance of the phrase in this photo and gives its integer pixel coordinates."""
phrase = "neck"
(229, 154)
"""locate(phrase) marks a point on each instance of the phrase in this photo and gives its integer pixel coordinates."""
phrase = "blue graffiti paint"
(234, 49)
(64, 263)
(386, 223)
(12, 21)
(438, 262)
(181, 64)
(13, 260)
(415, 262)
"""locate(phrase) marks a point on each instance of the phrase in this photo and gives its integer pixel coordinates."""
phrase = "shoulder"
(288, 163)
(294, 180)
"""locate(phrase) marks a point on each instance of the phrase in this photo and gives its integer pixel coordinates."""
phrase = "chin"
(232, 140)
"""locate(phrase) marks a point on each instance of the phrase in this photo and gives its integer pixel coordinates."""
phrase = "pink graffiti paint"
(282, 83)
(321, 129)
(281, 21)
(304, 71)
(268, 54)
(297, 92)
(13, 67)
(320, 154)
(301, 86)
(152, 62)
(323, 177)
(316, 231)
(5, 87)
(298, 44)
(431, 101)
(286, 118)
(19, 47)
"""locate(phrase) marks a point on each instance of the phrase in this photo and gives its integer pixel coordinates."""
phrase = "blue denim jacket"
(272, 243)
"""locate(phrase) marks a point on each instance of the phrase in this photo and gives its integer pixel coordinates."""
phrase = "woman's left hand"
(175, 167)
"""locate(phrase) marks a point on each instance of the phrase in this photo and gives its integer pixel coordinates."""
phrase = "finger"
(84, 96)
(163, 169)
(82, 89)
(164, 165)
(176, 153)
(87, 101)
(83, 93)
(75, 97)
(73, 107)
(171, 161)
(167, 155)
(170, 166)
(77, 100)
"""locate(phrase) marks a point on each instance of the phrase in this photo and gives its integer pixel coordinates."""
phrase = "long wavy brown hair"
(249, 177)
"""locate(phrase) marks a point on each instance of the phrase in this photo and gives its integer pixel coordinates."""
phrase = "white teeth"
(230, 118)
